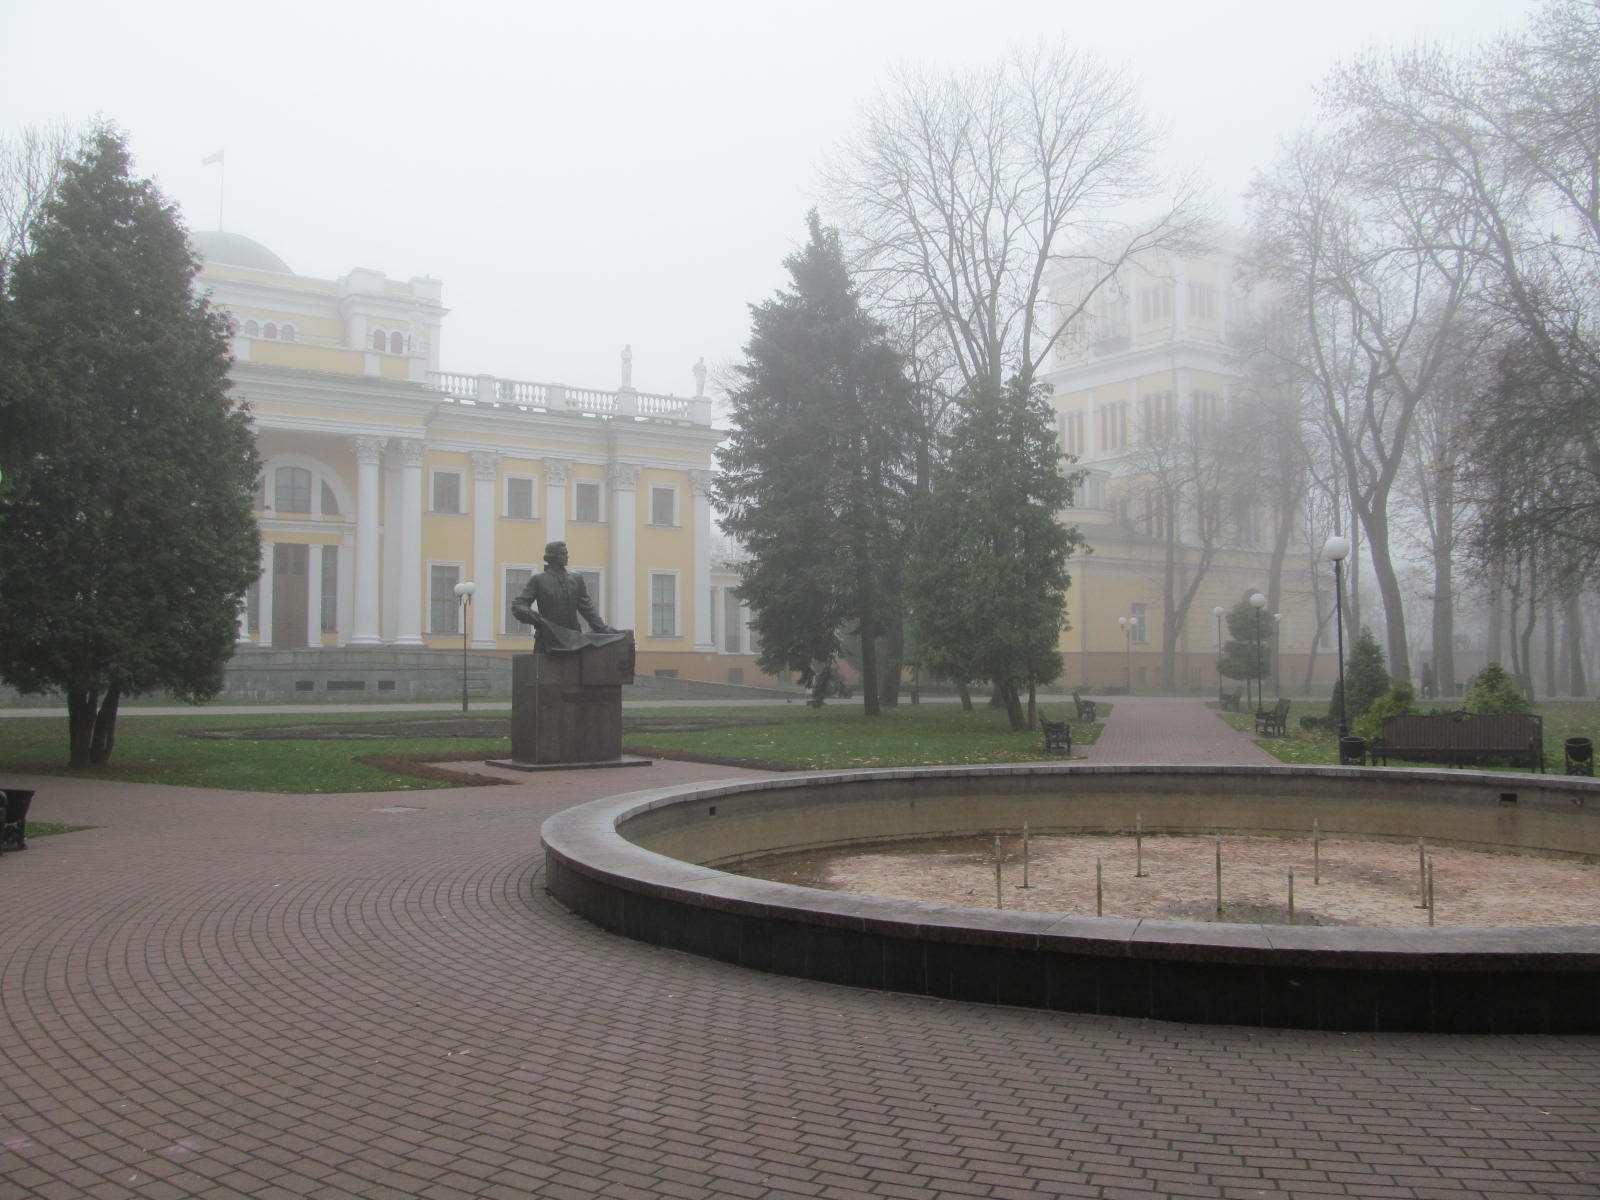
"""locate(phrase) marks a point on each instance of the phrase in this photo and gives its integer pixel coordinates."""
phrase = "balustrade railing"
(489, 391)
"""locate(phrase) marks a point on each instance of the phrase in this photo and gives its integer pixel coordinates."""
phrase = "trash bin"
(14, 818)
(1352, 752)
(1580, 756)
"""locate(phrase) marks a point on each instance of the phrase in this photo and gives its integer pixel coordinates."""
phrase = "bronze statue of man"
(561, 598)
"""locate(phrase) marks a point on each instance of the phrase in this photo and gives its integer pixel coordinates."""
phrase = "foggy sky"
(585, 176)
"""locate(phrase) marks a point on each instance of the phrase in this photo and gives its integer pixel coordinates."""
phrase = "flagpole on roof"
(222, 175)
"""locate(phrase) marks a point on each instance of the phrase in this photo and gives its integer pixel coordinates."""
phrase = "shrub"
(1393, 703)
(1365, 678)
(1493, 691)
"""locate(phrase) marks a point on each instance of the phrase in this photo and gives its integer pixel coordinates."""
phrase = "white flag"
(211, 158)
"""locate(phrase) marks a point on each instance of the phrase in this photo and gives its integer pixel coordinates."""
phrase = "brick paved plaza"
(236, 995)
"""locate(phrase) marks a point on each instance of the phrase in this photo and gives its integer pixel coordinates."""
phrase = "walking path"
(218, 995)
(1151, 729)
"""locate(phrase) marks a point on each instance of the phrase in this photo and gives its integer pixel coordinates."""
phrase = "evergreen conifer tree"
(814, 478)
(989, 564)
(127, 539)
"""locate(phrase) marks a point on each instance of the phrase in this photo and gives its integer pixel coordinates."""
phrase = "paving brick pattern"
(226, 995)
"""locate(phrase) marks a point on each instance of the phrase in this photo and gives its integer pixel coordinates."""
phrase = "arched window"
(270, 332)
(252, 329)
(286, 333)
(379, 340)
(291, 490)
(397, 343)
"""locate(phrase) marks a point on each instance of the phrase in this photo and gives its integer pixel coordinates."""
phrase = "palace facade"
(388, 482)
(1149, 387)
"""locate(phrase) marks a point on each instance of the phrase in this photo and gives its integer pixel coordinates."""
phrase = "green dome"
(236, 250)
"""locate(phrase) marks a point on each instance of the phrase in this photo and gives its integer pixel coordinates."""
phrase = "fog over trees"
(1437, 238)
(1425, 374)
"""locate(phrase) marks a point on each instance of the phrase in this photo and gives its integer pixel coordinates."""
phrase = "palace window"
(663, 604)
(1158, 413)
(732, 622)
(447, 492)
(291, 490)
(252, 329)
(397, 343)
(444, 608)
(519, 497)
(1203, 301)
(330, 585)
(516, 578)
(1139, 627)
(1155, 303)
(1072, 434)
(586, 501)
(286, 333)
(1207, 410)
(270, 331)
(1114, 426)
(664, 506)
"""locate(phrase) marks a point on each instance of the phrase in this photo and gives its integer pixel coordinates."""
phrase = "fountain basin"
(648, 865)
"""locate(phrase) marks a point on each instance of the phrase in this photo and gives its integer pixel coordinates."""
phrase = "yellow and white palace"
(1157, 349)
(388, 481)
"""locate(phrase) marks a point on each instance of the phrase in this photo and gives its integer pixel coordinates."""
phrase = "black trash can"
(1580, 756)
(14, 818)
(1352, 752)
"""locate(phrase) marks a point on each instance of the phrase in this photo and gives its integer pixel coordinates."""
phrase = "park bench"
(1057, 735)
(1229, 701)
(1459, 738)
(1085, 708)
(14, 818)
(1271, 722)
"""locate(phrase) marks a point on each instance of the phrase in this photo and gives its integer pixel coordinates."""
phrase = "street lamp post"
(1127, 654)
(1217, 613)
(1277, 653)
(1336, 549)
(464, 595)
(1259, 602)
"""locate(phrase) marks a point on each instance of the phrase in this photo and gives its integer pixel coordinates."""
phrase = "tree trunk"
(1444, 620)
(893, 663)
(1012, 701)
(80, 724)
(964, 690)
(1577, 681)
(869, 669)
(105, 727)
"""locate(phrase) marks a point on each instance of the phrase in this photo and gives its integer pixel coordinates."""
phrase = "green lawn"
(1562, 719)
(295, 752)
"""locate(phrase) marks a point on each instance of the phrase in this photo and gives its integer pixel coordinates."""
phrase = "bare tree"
(961, 190)
(1378, 275)
(1514, 136)
(30, 169)
(1186, 469)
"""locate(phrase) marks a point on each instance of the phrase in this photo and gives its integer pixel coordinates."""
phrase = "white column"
(264, 608)
(624, 480)
(411, 583)
(345, 607)
(369, 455)
(483, 569)
(313, 634)
(700, 483)
(555, 498)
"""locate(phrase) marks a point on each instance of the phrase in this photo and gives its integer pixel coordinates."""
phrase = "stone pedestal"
(566, 709)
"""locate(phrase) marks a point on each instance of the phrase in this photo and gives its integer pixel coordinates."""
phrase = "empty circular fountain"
(648, 865)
